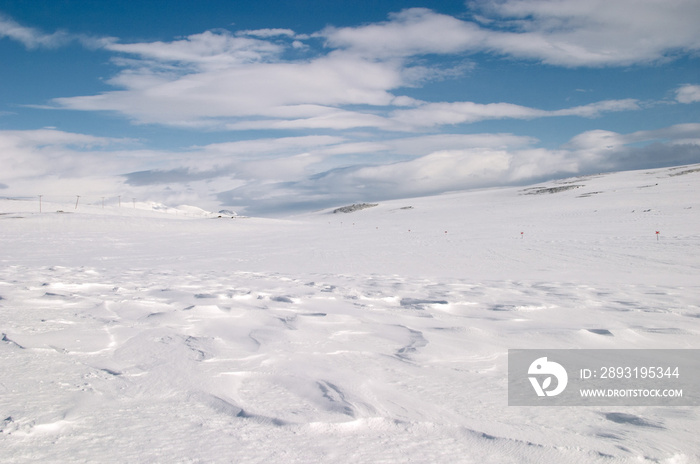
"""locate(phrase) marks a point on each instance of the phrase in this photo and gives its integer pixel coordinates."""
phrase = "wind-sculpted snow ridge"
(154, 339)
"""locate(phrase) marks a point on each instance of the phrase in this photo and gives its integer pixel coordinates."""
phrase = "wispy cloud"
(267, 33)
(31, 37)
(433, 114)
(592, 33)
(598, 140)
(206, 51)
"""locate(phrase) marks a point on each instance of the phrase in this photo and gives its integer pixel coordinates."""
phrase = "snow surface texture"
(375, 336)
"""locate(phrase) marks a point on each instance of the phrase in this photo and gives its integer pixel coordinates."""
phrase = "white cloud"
(271, 146)
(257, 89)
(420, 145)
(600, 139)
(282, 168)
(30, 37)
(446, 170)
(208, 50)
(437, 171)
(596, 140)
(596, 109)
(33, 38)
(688, 93)
(37, 152)
(331, 118)
(414, 31)
(34, 160)
(278, 159)
(266, 33)
(592, 32)
(52, 138)
(434, 114)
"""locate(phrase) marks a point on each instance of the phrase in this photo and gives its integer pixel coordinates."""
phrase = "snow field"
(344, 337)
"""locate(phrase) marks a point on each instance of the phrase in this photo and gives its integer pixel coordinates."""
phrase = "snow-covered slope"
(378, 335)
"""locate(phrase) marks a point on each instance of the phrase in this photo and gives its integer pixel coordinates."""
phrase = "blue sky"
(272, 108)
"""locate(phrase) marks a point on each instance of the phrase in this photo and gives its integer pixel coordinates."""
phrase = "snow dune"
(378, 335)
